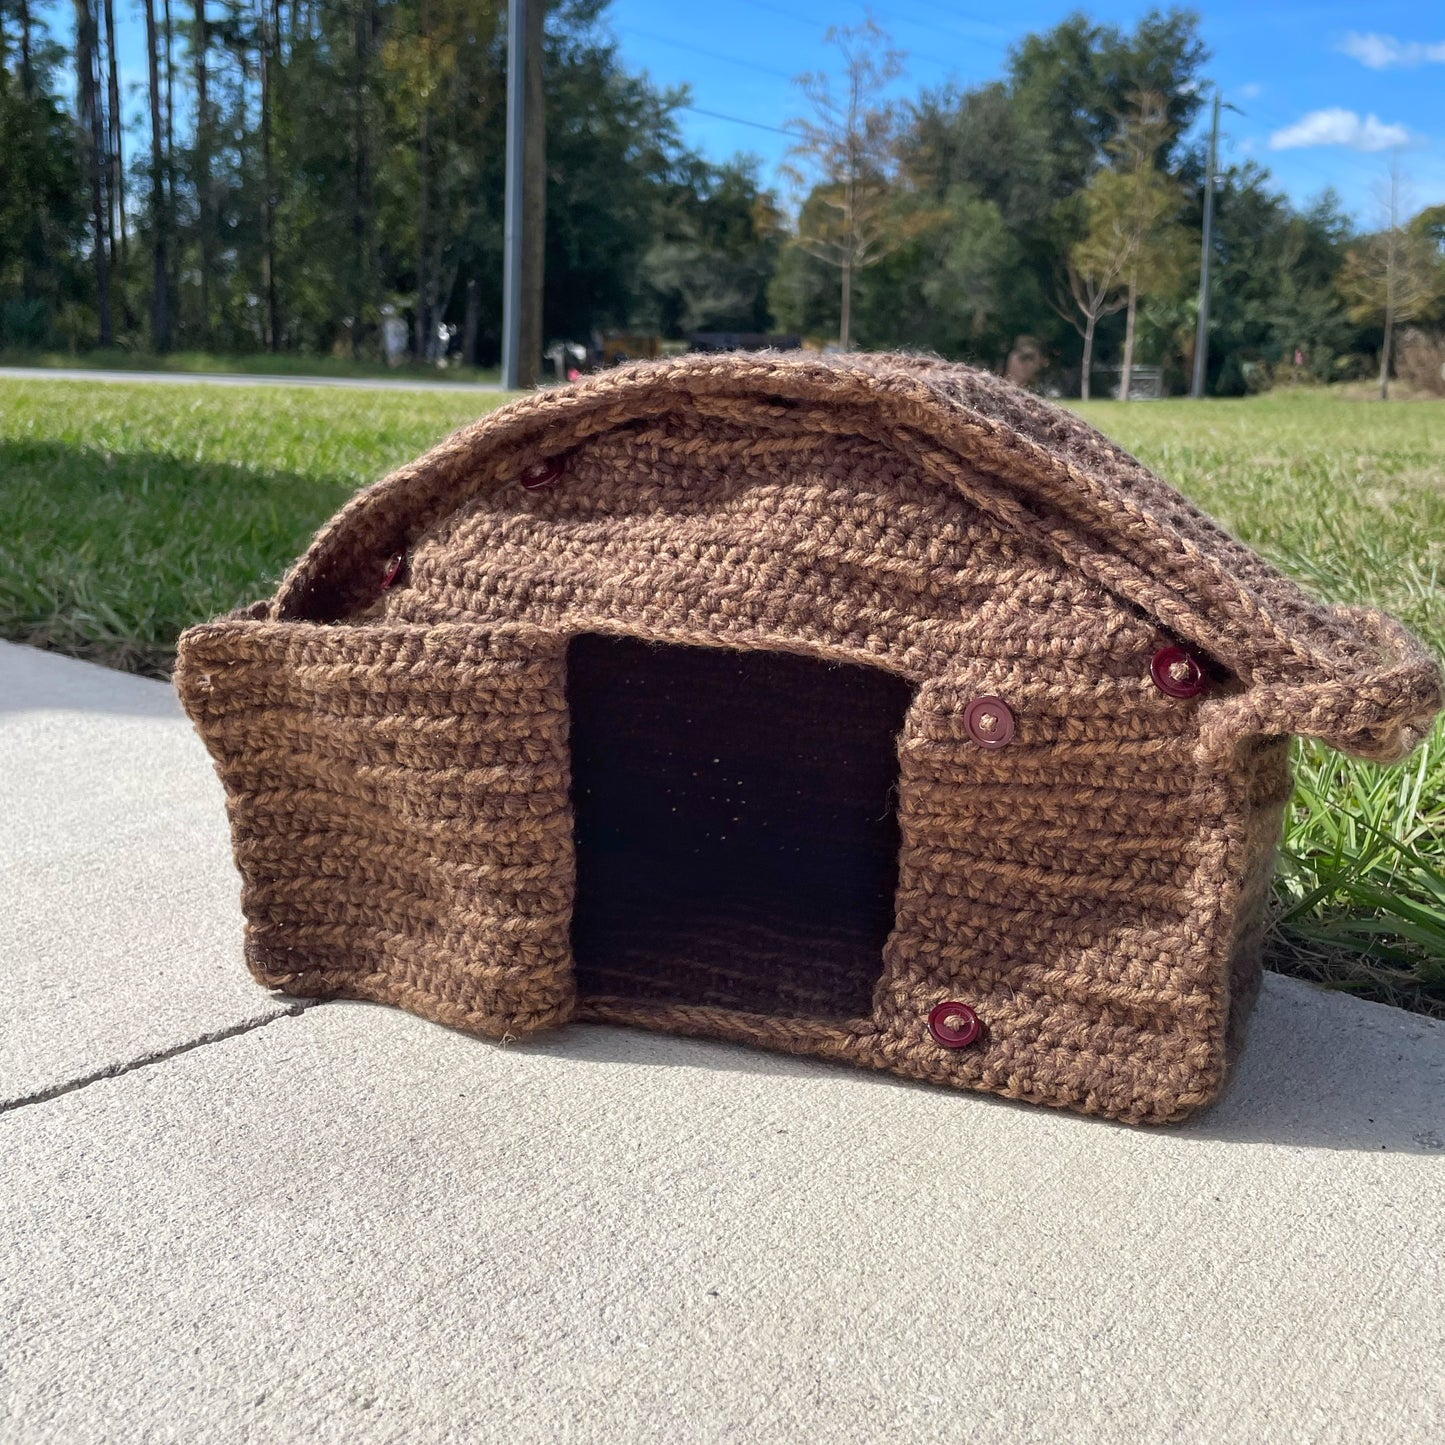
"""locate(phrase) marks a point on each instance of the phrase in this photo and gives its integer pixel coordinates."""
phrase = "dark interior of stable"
(736, 830)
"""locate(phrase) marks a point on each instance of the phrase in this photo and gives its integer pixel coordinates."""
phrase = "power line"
(735, 119)
(700, 50)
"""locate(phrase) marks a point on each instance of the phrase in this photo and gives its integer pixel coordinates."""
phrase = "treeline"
(315, 165)
(309, 169)
(1058, 210)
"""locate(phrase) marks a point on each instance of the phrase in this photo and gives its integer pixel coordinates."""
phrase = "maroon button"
(954, 1025)
(988, 722)
(544, 474)
(1177, 673)
(393, 570)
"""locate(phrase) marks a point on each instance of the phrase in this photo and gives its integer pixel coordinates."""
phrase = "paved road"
(197, 378)
(230, 1218)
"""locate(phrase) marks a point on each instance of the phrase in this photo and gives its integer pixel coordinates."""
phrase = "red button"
(393, 570)
(954, 1025)
(1177, 673)
(988, 722)
(544, 474)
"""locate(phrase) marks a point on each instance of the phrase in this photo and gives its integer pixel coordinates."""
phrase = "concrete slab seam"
(114, 1071)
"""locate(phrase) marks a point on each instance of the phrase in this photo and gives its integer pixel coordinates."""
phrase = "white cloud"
(1338, 127)
(1382, 52)
(1251, 91)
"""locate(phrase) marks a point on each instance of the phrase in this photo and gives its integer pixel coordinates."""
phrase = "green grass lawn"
(127, 513)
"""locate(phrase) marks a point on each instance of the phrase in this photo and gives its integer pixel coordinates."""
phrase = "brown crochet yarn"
(785, 700)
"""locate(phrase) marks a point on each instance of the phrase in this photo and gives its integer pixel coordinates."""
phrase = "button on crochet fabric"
(544, 474)
(954, 1025)
(1178, 673)
(818, 693)
(989, 722)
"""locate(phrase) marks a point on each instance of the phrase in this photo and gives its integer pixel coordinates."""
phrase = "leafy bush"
(23, 323)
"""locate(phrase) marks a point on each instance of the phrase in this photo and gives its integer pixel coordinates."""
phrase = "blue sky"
(1327, 91)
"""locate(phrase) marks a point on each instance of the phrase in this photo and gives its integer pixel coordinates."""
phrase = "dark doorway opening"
(735, 818)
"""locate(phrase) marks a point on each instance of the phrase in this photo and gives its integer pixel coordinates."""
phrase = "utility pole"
(524, 220)
(534, 200)
(1201, 335)
(512, 216)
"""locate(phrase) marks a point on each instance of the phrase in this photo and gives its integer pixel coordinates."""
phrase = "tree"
(27, 50)
(169, 45)
(1430, 224)
(115, 142)
(1132, 225)
(717, 234)
(1032, 140)
(850, 143)
(43, 212)
(419, 64)
(93, 121)
(969, 280)
(1093, 286)
(1393, 277)
(289, 192)
(1145, 207)
(268, 28)
(204, 178)
(363, 218)
(1276, 270)
(159, 207)
(614, 154)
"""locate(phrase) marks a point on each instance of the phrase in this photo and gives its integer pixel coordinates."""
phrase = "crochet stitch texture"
(398, 763)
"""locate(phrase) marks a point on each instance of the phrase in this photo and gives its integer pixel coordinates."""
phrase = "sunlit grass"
(127, 513)
(1360, 890)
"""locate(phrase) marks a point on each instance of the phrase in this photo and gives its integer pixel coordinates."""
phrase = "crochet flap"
(352, 759)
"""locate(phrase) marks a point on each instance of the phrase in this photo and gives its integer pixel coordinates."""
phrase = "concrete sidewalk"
(227, 1220)
(240, 378)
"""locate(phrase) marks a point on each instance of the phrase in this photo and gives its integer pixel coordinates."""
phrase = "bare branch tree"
(1393, 277)
(1133, 243)
(1091, 285)
(1141, 211)
(848, 150)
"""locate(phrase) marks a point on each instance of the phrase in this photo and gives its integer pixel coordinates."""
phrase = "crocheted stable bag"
(867, 708)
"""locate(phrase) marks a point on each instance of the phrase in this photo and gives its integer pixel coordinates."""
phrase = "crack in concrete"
(115, 1071)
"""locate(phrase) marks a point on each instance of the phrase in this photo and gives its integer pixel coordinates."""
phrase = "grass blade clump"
(1360, 893)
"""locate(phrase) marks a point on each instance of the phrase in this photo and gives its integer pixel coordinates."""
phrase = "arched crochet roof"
(1352, 677)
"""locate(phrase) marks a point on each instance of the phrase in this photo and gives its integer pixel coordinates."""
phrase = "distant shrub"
(1420, 361)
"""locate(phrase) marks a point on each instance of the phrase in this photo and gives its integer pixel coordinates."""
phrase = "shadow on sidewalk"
(1318, 1071)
